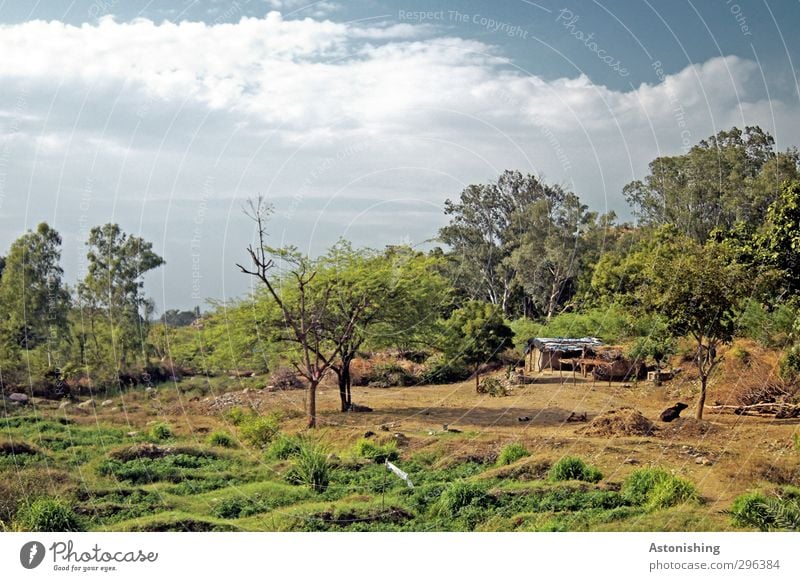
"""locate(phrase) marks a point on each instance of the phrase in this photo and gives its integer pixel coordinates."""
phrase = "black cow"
(673, 413)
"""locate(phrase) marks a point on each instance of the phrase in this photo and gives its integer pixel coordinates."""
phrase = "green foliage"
(461, 496)
(378, 453)
(285, 446)
(49, 515)
(511, 453)
(654, 488)
(572, 468)
(477, 333)
(789, 364)
(259, 431)
(311, 467)
(770, 327)
(235, 415)
(172, 468)
(161, 432)
(222, 439)
(390, 375)
(767, 513)
(439, 368)
(494, 387)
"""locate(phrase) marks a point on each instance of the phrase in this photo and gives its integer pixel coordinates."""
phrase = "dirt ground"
(724, 456)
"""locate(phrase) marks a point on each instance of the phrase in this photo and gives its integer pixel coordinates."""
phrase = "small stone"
(246, 390)
(132, 434)
(19, 398)
(107, 403)
(369, 434)
(630, 461)
(89, 403)
(700, 460)
(64, 404)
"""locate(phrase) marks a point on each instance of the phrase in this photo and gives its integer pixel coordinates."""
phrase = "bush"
(494, 387)
(756, 510)
(284, 447)
(440, 369)
(511, 453)
(235, 415)
(285, 378)
(259, 431)
(378, 453)
(161, 432)
(789, 365)
(49, 515)
(572, 468)
(222, 439)
(390, 375)
(311, 467)
(461, 495)
(654, 488)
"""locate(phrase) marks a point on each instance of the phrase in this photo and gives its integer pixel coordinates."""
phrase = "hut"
(553, 352)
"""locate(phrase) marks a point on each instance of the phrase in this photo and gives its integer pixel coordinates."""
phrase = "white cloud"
(319, 114)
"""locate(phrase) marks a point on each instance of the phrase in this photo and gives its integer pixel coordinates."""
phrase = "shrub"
(222, 439)
(572, 468)
(235, 415)
(284, 447)
(259, 431)
(49, 515)
(378, 453)
(161, 432)
(390, 375)
(511, 453)
(654, 488)
(494, 387)
(754, 509)
(789, 365)
(311, 467)
(440, 369)
(285, 378)
(461, 495)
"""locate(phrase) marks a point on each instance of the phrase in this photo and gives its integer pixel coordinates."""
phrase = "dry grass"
(621, 422)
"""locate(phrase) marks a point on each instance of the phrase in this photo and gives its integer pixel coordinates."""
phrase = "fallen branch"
(779, 410)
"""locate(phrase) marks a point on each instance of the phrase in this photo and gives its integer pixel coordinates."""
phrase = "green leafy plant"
(259, 431)
(378, 453)
(311, 467)
(655, 488)
(511, 453)
(222, 439)
(49, 515)
(572, 468)
(766, 513)
(161, 432)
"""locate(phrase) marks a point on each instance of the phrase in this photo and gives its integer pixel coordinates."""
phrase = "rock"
(699, 460)
(19, 398)
(132, 434)
(89, 403)
(369, 434)
(401, 439)
(245, 391)
(630, 461)
(107, 403)
(64, 404)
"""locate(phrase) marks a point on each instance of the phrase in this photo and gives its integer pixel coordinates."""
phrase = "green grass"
(572, 468)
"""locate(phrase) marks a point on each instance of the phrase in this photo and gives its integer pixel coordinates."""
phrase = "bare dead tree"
(303, 310)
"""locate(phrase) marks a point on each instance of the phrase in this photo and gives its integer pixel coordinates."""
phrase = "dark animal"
(673, 413)
(573, 417)
(524, 419)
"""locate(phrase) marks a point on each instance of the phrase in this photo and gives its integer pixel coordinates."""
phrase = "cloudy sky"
(356, 119)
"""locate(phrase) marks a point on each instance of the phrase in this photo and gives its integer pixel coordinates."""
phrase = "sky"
(355, 119)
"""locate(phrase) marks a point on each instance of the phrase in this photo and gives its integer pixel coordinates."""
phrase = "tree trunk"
(312, 404)
(701, 404)
(343, 390)
(348, 383)
(477, 377)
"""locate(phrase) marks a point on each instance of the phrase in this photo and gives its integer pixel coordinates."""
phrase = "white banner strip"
(356, 556)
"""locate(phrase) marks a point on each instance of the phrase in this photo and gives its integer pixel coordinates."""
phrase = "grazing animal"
(573, 417)
(524, 419)
(673, 413)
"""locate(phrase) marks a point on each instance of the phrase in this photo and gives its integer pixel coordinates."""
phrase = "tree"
(112, 291)
(780, 239)
(385, 299)
(477, 334)
(34, 299)
(289, 280)
(730, 177)
(697, 290)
